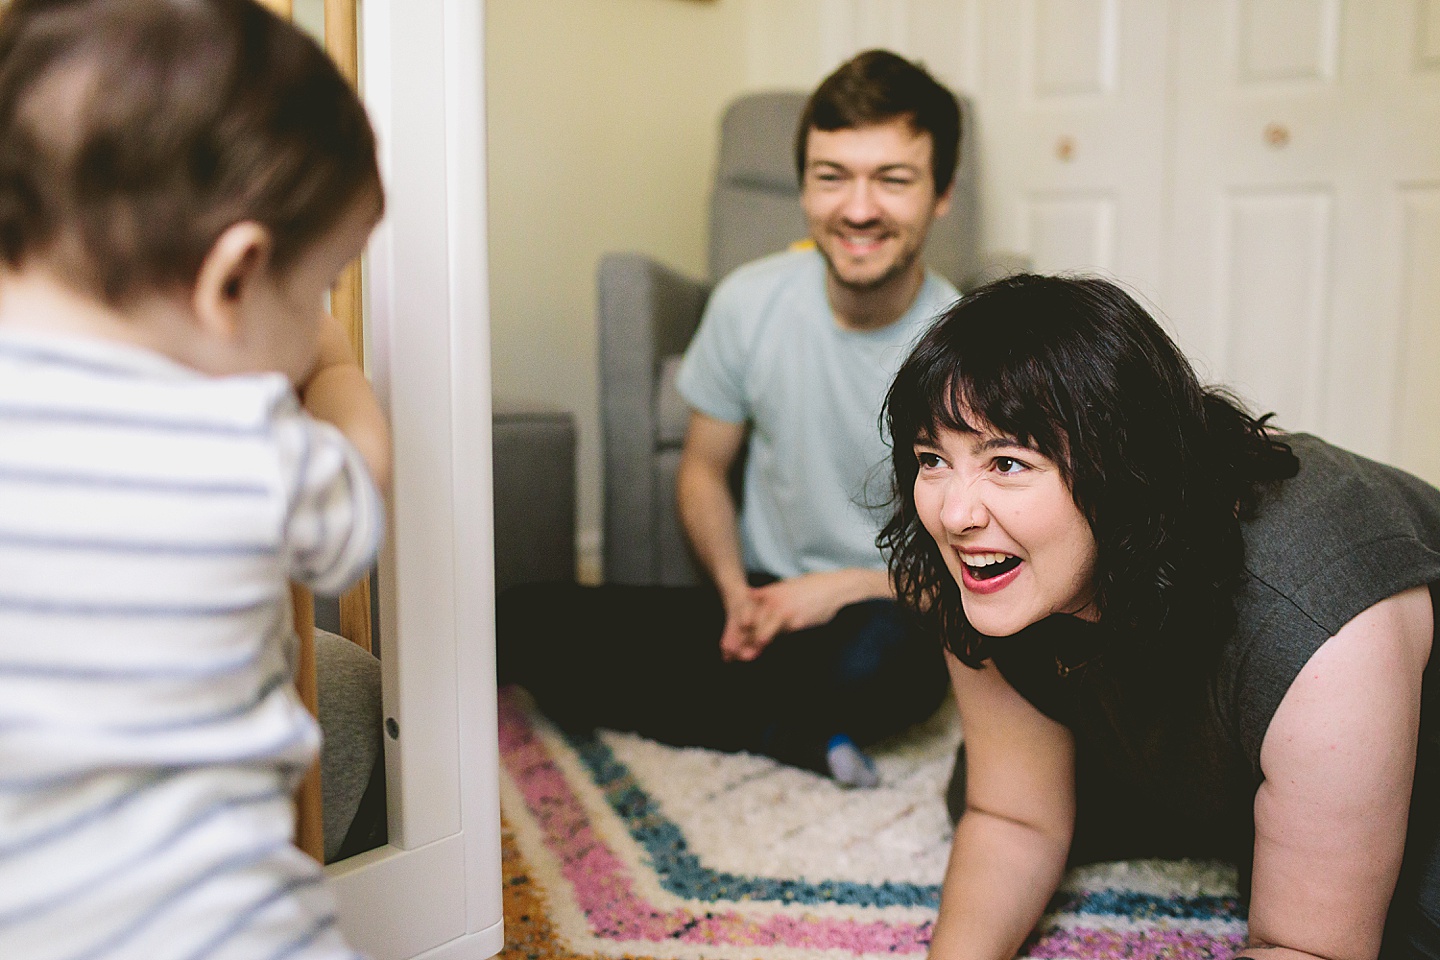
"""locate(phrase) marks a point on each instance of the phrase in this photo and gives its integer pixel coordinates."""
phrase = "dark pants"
(647, 659)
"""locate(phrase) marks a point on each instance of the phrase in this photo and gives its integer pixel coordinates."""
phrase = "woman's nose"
(963, 508)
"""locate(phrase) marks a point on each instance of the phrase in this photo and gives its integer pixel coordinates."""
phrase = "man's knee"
(877, 634)
(885, 648)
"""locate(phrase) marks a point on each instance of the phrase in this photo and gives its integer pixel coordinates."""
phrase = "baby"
(180, 183)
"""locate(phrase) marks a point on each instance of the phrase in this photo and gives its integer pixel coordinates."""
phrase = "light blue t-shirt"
(770, 351)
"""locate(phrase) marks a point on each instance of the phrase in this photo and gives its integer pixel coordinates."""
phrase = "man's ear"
(942, 202)
(239, 258)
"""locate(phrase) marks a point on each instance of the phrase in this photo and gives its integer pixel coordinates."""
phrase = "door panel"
(1072, 49)
(1427, 36)
(1070, 232)
(1286, 40)
(1417, 410)
(1275, 263)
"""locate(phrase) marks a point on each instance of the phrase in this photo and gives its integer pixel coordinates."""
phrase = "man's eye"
(896, 182)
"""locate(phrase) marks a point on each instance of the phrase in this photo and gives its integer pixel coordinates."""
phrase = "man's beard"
(902, 264)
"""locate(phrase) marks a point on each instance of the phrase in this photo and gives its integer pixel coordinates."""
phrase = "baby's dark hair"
(1162, 468)
(134, 132)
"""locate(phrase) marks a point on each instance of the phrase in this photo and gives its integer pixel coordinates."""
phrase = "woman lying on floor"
(1172, 630)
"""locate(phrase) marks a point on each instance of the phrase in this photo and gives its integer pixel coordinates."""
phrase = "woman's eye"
(927, 461)
(1008, 465)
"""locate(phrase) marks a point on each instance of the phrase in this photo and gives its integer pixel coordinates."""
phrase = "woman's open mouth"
(988, 572)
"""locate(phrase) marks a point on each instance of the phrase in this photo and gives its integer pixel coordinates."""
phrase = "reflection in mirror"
(347, 673)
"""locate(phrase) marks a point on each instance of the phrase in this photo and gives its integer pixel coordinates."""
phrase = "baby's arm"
(338, 393)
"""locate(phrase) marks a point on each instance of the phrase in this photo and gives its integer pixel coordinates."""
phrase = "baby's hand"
(338, 393)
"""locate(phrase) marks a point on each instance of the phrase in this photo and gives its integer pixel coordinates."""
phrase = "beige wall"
(602, 125)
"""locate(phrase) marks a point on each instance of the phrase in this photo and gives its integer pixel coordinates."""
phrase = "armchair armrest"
(646, 314)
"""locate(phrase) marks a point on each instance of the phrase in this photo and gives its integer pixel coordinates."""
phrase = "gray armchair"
(647, 314)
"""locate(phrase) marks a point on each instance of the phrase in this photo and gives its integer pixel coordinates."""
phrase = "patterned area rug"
(616, 846)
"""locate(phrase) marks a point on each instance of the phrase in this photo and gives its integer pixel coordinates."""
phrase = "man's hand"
(799, 603)
(738, 641)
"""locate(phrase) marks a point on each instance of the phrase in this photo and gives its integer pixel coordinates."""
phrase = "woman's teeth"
(984, 566)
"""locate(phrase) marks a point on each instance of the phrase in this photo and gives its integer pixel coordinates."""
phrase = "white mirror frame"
(434, 890)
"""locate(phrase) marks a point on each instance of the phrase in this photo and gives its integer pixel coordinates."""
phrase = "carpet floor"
(615, 846)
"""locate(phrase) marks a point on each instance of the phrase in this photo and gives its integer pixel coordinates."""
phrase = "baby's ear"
(238, 261)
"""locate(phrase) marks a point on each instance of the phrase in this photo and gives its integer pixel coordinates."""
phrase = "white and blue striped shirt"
(150, 737)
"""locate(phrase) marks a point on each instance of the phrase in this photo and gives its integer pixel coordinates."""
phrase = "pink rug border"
(603, 889)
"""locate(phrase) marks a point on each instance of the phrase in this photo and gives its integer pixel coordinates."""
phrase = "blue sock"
(848, 763)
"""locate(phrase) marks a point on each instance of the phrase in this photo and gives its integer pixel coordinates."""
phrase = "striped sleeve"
(334, 521)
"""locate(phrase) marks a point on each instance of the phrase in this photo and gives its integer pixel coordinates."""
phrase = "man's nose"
(860, 205)
(964, 507)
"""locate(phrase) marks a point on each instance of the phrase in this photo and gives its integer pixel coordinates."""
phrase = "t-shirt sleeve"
(712, 375)
(334, 519)
(1275, 641)
(1335, 540)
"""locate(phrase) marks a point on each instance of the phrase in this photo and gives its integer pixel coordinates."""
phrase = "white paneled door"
(1304, 233)
(1072, 101)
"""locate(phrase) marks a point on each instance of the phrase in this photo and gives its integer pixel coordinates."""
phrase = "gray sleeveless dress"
(1342, 535)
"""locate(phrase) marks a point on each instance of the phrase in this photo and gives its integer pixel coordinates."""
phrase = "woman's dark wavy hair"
(1162, 468)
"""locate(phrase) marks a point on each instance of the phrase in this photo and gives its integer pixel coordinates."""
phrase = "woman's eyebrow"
(1000, 443)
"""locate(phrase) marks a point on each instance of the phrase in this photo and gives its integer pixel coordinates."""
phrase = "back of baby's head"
(133, 132)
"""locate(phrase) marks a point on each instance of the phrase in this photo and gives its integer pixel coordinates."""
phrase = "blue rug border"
(682, 874)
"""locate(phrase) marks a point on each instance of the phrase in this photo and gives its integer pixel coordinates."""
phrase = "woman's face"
(1008, 528)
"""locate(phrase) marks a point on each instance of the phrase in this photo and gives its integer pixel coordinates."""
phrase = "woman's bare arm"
(1012, 841)
(1339, 763)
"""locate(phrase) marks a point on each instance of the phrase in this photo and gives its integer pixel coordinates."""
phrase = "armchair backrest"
(755, 204)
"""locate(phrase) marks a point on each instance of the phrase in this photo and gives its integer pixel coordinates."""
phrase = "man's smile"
(861, 243)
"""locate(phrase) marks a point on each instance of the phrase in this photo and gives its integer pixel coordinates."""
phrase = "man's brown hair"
(878, 86)
(134, 132)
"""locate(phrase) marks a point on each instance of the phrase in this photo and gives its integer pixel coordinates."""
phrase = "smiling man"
(798, 350)
(797, 650)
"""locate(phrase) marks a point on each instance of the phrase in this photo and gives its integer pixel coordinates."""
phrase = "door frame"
(434, 890)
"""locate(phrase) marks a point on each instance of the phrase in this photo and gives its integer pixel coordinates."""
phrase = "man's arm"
(338, 393)
(812, 599)
(754, 616)
(708, 517)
